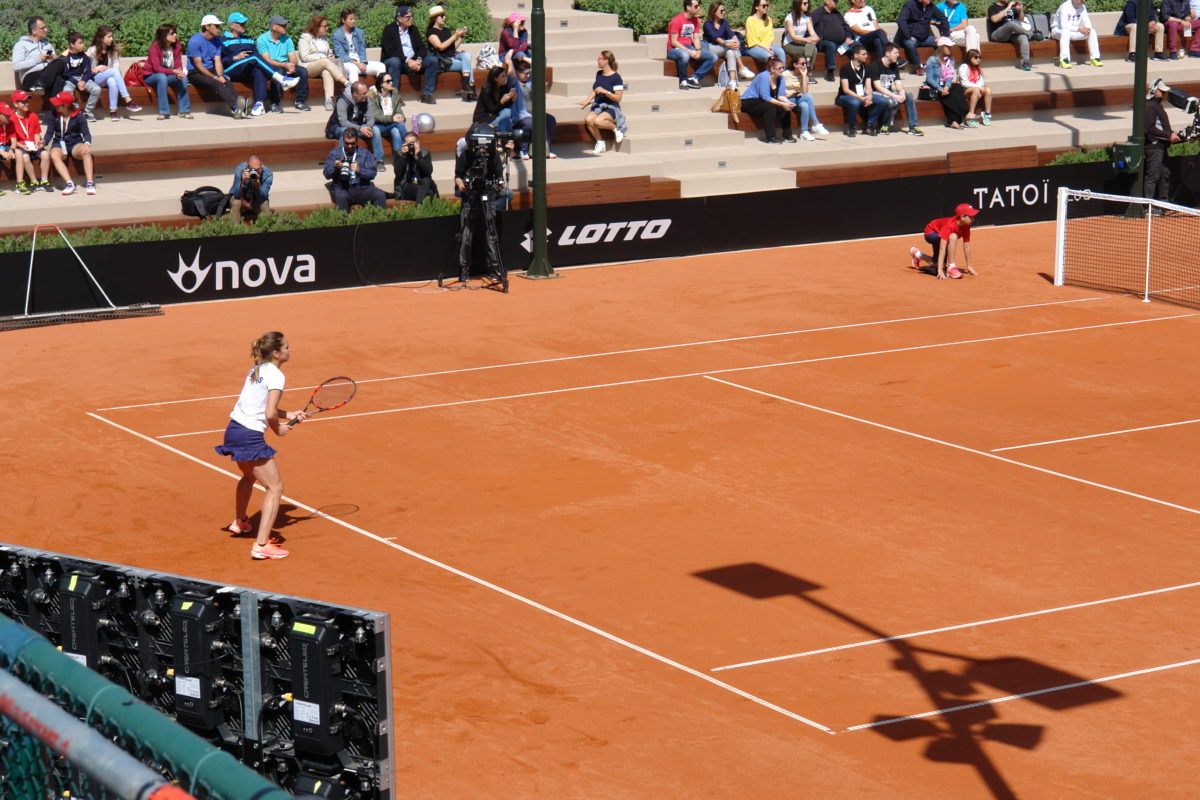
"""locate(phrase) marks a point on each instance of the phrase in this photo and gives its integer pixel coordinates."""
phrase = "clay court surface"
(692, 529)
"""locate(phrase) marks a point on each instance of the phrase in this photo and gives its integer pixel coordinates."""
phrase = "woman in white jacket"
(317, 57)
(1072, 23)
(970, 75)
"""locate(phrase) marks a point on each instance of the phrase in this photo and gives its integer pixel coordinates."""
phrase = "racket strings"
(333, 393)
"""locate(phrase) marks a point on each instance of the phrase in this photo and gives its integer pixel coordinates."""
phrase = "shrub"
(1084, 156)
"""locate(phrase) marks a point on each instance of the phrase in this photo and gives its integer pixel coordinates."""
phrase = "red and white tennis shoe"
(267, 551)
(916, 257)
(240, 526)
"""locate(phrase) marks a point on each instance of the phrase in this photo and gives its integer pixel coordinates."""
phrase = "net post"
(1060, 235)
(1149, 226)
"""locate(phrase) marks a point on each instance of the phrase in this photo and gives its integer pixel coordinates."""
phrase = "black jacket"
(346, 114)
(390, 43)
(915, 19)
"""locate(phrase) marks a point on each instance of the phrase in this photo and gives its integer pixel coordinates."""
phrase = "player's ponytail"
(261, 349)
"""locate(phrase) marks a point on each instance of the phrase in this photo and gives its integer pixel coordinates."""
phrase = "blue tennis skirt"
(243, 444)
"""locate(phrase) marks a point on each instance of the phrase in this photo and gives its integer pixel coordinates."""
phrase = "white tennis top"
(250, 410)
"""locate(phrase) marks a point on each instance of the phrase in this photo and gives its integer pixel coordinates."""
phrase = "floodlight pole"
(539, 266)
(1138, 134)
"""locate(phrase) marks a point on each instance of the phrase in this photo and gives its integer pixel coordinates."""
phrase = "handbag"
(488, 57)
(133, 75)
(729, 100)
(925, 93)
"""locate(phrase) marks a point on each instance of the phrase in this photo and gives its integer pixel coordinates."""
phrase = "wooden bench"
(957, 162)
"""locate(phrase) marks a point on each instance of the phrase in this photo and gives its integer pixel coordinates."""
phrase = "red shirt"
(684, 29)
(23, 128)
(947, 225)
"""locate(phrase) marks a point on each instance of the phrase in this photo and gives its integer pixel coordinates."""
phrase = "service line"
(387, 542)
(942, 711)
(1096, 435)
(706, 373)
(648, 349)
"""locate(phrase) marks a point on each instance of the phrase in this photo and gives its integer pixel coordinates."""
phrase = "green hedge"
(652, 16)
(327, 217)
(136, 20)
(1083, 156)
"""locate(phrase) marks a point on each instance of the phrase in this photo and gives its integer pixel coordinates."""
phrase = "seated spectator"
(887, 90)
(206, 69)
(684, 34)
(1181, 22)
(1006, 23)
(854, 95)
(350, 48)
(37, 68)
(914, 28)
(496, 104)
(70, 137)
(799, 36)
(941, 75)
(865, 24)
(78, 75)
(406, 52)
(451, 58)
(796, 81)
(835, 35)
(720, 40)
(604, 103)
(1072, 23)
(970, 75)
(316, 56)
(279, 51)
(766, 97)
(523, 113)
(514, 40)
(25, 135)
(760, 35)
(1127, 26)
(164, 68)
(239, 56)
(352, 113)
(351, 172)
(413, 166)
(106, 70)
(250, 195)
(6, 151)
(962, 32)
(383, 104)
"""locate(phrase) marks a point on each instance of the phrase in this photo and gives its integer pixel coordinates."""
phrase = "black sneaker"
(301, 106)
(850, 132)
(1131, 57)
(829, 75)
(275, 109)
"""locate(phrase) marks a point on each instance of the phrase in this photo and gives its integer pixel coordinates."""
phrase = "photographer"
(251, 190)
(414, 171)
(1159, 137)
(351, 170)
(479, 180)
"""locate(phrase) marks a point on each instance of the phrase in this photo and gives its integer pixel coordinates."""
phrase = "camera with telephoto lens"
(486, 147)
(1188, 105)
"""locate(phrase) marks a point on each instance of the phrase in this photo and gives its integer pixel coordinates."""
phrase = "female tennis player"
(257, 408)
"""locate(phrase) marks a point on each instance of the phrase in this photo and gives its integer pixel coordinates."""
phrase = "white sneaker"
(257, 111)
(620, 137)
(820, 130)
(290, 83)
(734, 85)
(599, 148)
(746, 73)
(69, 188)
(806, 136)
(277, 77)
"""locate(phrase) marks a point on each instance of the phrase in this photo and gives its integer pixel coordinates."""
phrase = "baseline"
(386, 541)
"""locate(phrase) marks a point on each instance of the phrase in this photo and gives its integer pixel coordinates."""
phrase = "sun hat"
(435, 10)
(945, 41)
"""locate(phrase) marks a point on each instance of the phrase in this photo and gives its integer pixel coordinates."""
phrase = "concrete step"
(567, 20)
(624, 52)
(700, 184)
(681, 140)
(587, 41)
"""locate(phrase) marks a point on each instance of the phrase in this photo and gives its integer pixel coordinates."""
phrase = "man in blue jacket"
(351, 170)
(250, 194)
(914, 28)
(1127, 26)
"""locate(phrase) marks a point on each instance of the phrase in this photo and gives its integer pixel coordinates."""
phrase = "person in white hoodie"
(38, 68)
(1072, 23)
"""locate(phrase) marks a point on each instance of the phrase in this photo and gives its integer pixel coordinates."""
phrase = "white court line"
(1093, 682)
(1096, 435)
(975, 624)
(646, 349)
(499, 589)
(706, 373)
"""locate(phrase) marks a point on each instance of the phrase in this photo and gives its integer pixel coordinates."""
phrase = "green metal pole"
(1138, 134)
(539, 266)
(196, 762)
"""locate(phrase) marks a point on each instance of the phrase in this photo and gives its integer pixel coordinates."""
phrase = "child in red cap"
(6, 153)
(24, 133)
(952, 230)
(70, 137)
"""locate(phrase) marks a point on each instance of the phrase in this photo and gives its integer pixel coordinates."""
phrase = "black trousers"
(345, 196)
(417, 192)
(1158, 176)
(225, 90)
(771, 115)
(477, 217)
(49, 78)
(954, 104)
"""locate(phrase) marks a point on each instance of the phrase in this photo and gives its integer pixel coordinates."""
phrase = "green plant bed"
(135, 21)
(325, 217)
(1084, 156)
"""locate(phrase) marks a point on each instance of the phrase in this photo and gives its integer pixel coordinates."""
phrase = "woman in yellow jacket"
(760, 35)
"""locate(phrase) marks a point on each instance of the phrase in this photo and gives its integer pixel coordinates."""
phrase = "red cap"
(62, 99)
(965, 208)
(20, 96)
(5, 109)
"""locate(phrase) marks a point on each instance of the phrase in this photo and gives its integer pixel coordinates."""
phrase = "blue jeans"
(911, 45)
(874, 41)
(682, 57)
(461, 63)
(115, 82)
(251, 71)
(504, 120)
(830, 49)
(159, 81)
(275, 90)
(806, 110)
(889, 107)
(392, 131)
(853, 106)
(761, 54)
(397, 66)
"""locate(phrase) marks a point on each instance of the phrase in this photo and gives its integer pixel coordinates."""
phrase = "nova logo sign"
(253, 272)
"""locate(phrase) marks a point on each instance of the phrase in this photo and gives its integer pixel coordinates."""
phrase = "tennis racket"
(331, 394)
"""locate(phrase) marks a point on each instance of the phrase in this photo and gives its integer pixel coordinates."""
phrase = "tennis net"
(1131, 245)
